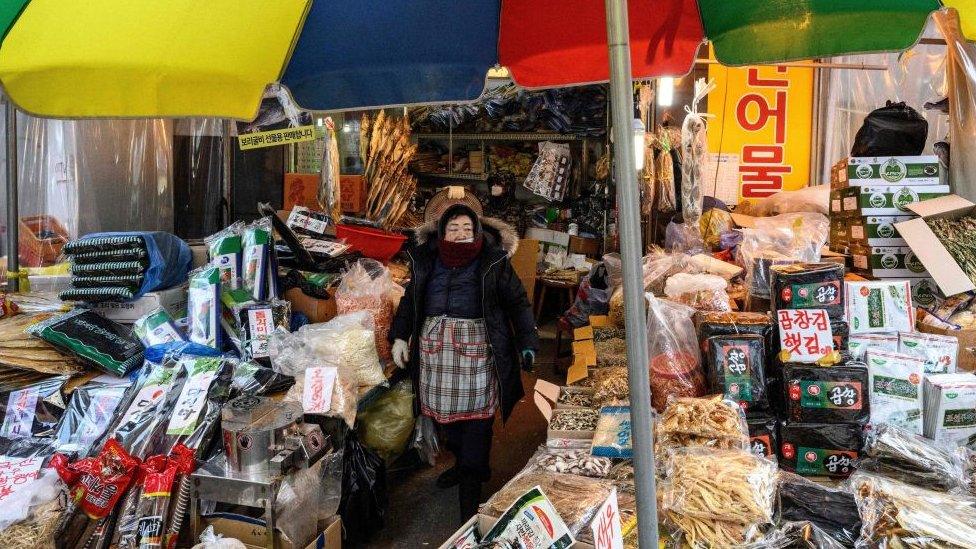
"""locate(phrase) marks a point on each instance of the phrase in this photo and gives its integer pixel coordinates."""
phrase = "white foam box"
(894, 170)
(127, 312)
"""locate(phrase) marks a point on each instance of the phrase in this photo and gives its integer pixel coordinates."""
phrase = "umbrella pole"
(13, 216)
(628, 204)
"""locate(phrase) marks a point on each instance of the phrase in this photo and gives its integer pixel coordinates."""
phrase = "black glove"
(528, 360)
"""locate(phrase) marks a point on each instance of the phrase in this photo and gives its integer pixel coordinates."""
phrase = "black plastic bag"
(364, 501)
(893, 130)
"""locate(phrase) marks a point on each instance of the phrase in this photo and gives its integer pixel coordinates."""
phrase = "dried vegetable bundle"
(386, 150)
(959, 238)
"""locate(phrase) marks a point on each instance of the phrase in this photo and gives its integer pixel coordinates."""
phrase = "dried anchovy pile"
(607, 332)
(611, 385)
(959, 238)
(576, 462)
(611, 352)
(574, 420)
(576, 398)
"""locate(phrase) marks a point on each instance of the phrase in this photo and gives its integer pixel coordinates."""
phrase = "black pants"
(470, 442)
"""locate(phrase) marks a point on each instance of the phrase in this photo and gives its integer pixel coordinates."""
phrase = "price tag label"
(804, 334)
(606, 527)
(16, 473)
(21, 407)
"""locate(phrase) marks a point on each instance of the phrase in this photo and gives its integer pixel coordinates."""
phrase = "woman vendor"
(463, 327)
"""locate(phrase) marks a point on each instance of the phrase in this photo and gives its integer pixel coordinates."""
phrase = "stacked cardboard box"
(868, 197)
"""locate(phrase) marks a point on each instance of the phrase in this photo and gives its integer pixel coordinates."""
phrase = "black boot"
(469, 497)
(448, 478)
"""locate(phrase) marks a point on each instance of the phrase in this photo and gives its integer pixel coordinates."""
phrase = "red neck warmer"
(459, 254)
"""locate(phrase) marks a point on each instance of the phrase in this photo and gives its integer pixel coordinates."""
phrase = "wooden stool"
(566, 290)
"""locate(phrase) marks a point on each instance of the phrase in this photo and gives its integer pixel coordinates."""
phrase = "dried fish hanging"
(386, 151)
(645, 95)
(694, 147)
(329, 177)
(664, 175)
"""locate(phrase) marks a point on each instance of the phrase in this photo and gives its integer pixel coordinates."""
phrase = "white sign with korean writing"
(804, 334)
(317, 393)
(192, 399)
(17, 473)
(606, 527)
(19, 419)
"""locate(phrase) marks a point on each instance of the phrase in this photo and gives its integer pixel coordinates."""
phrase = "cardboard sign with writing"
(17, 473)
(317, 393)
(606, 528)
(804, 335)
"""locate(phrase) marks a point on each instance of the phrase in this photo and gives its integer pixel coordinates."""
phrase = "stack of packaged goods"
(868, 197)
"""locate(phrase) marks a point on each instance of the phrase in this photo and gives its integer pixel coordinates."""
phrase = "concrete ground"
(421, 514)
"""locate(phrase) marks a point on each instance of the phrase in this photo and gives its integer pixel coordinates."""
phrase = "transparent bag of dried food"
(895, 514)
(712, 422)
(675, 357)
(899, 454)
(704, 292)
(368, 286)
(782, 239)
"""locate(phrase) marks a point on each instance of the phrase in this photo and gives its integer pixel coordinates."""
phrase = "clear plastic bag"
(704, 292)
(209, 540)
(387, 423)
(899, 515)
(725, 492)
(425, 440)
(614, 434)
(711, 422)
(831, 509)
(786, 238)
(368, 286)
(674, 353)
(902, 455)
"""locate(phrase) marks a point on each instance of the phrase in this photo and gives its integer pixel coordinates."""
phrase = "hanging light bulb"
(665, 92)
(639, 131)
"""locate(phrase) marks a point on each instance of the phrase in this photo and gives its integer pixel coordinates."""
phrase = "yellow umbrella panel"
(148, 59)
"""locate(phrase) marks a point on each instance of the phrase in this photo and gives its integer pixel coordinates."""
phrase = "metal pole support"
(628, 204)
(13, 210)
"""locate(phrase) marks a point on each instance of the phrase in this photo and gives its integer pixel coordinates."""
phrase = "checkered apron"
(457, 370)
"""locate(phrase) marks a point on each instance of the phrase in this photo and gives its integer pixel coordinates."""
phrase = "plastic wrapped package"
(94, 339)
(907, 457)
(300, 492)
(808, 286)
(256, 322)
(704, 292)
(89, 413)
(763, 437)
(858, 344)
(387, 423)
(252, 378)
(718, 497)
(735, 368)
(613, 437)
(895, 389)
(32, 410)
(833, 510)
(879, 306)
(258, 276)
(209, 540)
(838, 394)
(709, 422)
(576, 498)
(157, 327)
(950, 408)
(550, 174)
(425, 441)
(30, 513)
(714, 223)
(225, 249)
(940, 352)
(203, 308)
(348, 338)
(820, 449)
(898, 515)
(710, 324)
(780, 240)
(796, 535)
(368, 286)
(674, 355)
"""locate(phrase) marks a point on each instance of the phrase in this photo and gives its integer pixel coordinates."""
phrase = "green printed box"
(887, 200)
(877, 231)
(902, 170)
(888, 262)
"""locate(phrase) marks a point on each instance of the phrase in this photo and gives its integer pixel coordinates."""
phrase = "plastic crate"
(41, 239)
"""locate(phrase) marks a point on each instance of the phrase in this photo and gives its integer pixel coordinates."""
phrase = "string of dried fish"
(574, 420)
(386, 151)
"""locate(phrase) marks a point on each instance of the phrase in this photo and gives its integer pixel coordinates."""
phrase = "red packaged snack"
(96, 483)
(158, 481)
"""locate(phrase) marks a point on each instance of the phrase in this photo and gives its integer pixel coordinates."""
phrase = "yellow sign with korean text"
(760, 137)
(273, 138)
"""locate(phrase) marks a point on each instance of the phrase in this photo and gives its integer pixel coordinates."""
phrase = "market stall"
(185, 378)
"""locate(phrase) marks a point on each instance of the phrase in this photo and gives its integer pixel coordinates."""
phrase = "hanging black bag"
(364, 501)
(893, 130)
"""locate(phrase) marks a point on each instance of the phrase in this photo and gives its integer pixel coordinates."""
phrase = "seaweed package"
(94, 339)
(156, 328)
(710, 324)
(254, 379)
(832, 510)
(226, 250)
(763, 439)
(89, 414)
(104, 244)
(258, 246)
(902, 455)
(841, 333)
(879, 306)
(257, 322)
(735, 368)
(860, 343)
(808, 286)
(940, 352)
(33, 410)
(836, 394)
(896, 389)
(203, 307)
(820, 449)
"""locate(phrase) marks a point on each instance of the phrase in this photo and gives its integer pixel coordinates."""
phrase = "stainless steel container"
(256, 430)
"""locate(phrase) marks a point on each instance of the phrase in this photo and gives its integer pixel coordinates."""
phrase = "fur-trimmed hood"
(496, 232)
